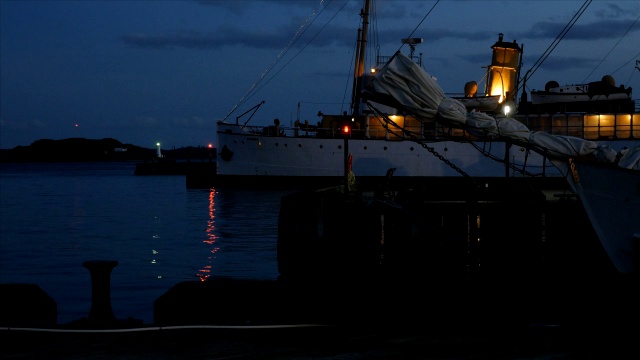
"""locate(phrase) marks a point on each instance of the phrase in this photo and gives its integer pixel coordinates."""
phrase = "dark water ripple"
(53, 217)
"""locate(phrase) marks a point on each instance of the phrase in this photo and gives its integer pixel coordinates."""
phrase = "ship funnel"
(503, 71)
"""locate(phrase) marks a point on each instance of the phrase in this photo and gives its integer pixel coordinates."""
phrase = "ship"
(381, 143)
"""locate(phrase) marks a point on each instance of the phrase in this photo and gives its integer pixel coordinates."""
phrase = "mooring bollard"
(100, 270)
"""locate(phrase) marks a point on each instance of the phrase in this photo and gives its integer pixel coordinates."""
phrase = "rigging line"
(627, 62)
(610, 51)
(632, 70)
(561, 36)
(414, 30)
(420, 23)
(349, 77)
(295, 37)
(413, 136)
(558, 38)
(304, 47)
(372, 31)
(373, 36)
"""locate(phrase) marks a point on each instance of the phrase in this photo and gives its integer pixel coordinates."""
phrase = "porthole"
(385, 148)
(365, 148)
(411, 148)
(339, 146)
(299, 145)
(321, 146)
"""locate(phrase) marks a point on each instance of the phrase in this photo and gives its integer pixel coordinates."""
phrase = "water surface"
(53, 217)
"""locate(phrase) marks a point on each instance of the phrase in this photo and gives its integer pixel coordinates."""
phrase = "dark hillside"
(80, 149)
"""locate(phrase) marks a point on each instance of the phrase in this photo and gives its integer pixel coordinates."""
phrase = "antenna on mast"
(412, 42)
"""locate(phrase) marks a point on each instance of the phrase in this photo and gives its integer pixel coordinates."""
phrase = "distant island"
(81, 149)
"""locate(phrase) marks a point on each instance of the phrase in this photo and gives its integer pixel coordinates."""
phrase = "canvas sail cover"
(402, 82)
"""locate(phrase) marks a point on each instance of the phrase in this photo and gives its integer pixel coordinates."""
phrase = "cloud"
(182, 39)
(568, 63)
(238, 7)
(146, 121)
(605, 29)
(192, 122)
(611, 11)
(228, 35)
(315, 31)
(22, 125)
(276, 38)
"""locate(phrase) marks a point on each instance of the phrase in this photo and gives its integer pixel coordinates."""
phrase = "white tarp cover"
(407, 83)
(410, 86)
(630, 158)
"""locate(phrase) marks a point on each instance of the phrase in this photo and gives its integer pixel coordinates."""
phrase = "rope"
(158, 328)
(294, 39)
(610, 51)
(413, 137)
(558, 38)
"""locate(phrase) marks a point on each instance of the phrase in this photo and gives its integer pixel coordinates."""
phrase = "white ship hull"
(252, 155)
(611, 199)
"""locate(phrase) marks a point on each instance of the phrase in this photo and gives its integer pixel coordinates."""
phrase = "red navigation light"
(210, 146)
(346, 129)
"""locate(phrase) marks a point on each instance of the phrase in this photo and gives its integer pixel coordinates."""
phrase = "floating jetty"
(192, 162)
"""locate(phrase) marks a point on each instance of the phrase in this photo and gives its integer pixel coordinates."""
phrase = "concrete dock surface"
(416, 341)
(194, 321)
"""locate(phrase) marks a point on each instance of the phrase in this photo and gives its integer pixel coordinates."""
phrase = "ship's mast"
(360, 57)
(363, 40)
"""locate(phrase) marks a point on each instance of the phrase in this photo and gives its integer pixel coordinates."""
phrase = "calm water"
(53, 217)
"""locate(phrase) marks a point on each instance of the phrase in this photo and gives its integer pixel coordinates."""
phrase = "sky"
(151, 71)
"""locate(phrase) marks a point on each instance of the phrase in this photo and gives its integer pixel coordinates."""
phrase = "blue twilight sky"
(165, 71)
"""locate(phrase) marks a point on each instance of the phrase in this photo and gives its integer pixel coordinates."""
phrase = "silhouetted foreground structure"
(426, 291)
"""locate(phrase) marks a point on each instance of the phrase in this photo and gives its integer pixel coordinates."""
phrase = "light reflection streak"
(210, 239)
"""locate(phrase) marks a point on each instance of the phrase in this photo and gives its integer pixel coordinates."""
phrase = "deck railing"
(587, 126)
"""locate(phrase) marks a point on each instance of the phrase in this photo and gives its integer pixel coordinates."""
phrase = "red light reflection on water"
(205, 272)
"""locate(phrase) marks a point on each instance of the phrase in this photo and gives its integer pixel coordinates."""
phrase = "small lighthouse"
(158, 152)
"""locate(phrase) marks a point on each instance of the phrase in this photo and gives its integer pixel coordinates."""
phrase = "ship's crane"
(255, 108)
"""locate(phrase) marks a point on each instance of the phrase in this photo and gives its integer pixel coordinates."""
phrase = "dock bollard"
(100, 270)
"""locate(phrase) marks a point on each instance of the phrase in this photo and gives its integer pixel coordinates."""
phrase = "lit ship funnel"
(503, 71)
